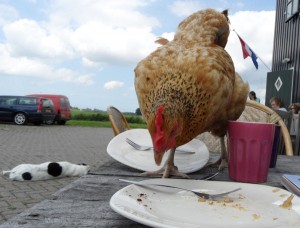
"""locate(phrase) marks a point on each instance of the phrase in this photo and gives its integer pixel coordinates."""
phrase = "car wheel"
(49, 122)
(20, 119)
(62, 122)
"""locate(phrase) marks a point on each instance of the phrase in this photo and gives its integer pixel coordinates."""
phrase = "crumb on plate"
(256, 216)
(241, 196)
(288, 202)
(201, 199)
(228, 200)
(283, 195)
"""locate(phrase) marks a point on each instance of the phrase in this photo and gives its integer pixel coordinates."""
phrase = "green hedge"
(102, 116)
(90, 116)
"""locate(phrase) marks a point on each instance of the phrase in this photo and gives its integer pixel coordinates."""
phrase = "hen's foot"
(166, 171)
(221, 163)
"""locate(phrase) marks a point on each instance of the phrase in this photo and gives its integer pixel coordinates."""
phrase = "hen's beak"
(158, 155)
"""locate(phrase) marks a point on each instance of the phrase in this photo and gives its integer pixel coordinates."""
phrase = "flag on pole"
(247, 51)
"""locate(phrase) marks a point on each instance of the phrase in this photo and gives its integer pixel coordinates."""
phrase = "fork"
(199, 194)
(143, 148)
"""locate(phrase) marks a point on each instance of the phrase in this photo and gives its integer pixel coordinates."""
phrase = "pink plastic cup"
(250, 148)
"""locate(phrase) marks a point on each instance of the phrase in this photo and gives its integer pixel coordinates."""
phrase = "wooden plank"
(85, 202)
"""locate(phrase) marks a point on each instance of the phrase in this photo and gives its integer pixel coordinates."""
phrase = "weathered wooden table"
(85, 202)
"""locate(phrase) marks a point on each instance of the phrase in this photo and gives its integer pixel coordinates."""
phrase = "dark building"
(284, 80)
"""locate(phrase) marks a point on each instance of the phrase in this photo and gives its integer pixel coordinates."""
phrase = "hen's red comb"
(158, 134)
(159, 117)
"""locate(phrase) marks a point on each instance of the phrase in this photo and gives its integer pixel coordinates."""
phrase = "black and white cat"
(46, 171)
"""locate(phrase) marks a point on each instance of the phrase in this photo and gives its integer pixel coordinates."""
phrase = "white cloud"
(20, 65)
(257, 30)
(106, 31)
(168, 35)
(113, 85)
(67, 75)
(7, 14)
(27, 38)
(83, 79)
(104, 44)
(88, 63)
(26, 67)
(100, 33)
(74, 13)
(185, 8)
(74, 40)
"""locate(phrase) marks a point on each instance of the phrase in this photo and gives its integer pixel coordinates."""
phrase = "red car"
(62, 108)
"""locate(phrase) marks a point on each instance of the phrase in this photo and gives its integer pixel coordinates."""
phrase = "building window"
(292, 8)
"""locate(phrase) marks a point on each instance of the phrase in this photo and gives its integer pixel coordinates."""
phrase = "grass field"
(102, 116)
(90, 123)
(89, 118)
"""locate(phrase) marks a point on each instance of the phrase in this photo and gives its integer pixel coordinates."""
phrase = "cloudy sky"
(88, 49)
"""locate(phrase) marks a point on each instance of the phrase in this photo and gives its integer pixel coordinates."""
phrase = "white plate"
(253, 206)
(120, 150)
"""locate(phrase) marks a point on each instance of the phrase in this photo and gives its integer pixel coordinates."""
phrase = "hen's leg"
(224, 154)
(168, 169)
(222, 162)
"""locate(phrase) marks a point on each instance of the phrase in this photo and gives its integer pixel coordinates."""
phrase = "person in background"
(295, 107)
(277, 104)
(252, 96)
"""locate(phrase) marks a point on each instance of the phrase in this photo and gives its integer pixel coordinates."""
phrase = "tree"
(138, 112)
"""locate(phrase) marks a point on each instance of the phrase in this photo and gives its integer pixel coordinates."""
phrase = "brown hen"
(189, 86)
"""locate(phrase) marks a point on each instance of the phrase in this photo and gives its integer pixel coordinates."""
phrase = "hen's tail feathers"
(162, 41)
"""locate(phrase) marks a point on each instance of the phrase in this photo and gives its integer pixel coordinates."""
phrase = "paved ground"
(38, 144)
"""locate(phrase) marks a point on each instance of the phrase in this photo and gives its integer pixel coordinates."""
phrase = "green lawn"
(90, 123)
(89, 118)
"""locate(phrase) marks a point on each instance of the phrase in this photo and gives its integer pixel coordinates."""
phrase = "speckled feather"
(194, 78)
